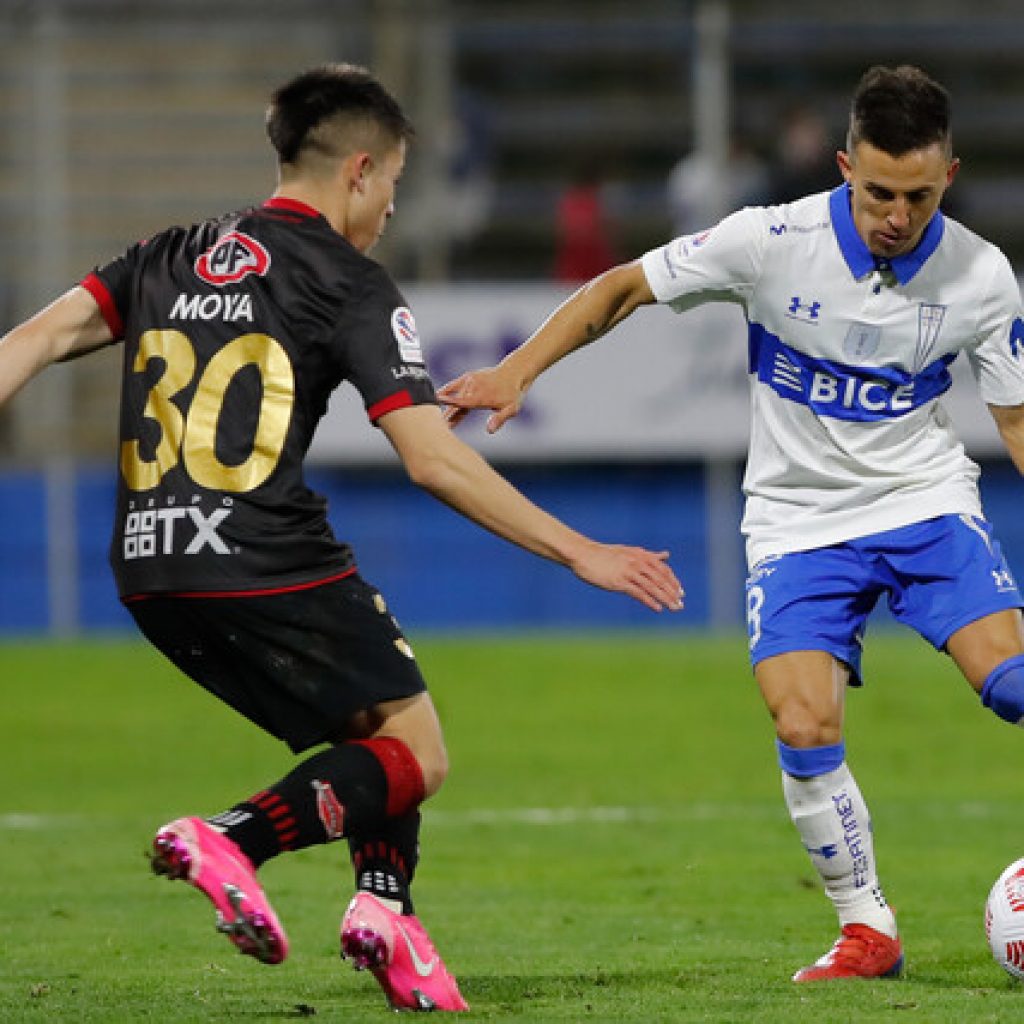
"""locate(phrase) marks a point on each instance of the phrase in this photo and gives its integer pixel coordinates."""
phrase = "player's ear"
(362, 166)
(954, 166)
(354, 169)
(845, 164)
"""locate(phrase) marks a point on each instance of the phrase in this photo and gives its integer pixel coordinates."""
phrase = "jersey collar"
(291, 205)
(857, 255)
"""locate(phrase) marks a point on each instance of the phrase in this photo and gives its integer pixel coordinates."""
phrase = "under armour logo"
(1003, 579)
(803, 310)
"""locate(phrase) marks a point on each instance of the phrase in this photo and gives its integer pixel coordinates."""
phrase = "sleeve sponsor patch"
(679, 250)
(403, 326)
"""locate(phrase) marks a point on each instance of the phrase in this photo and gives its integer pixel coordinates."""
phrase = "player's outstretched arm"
(584, 317)
(438, 461)
(70, 326)
(1010, 422)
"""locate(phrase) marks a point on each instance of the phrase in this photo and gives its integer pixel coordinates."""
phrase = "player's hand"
(643, 575)
(493, 388)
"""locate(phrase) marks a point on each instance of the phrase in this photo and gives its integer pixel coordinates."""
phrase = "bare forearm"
(454, 473)
(463, 480)
(21, 358)
(68, 327)
(585, 316)
(588, 314)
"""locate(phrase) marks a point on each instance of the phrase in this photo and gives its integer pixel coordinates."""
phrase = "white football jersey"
(848, 359)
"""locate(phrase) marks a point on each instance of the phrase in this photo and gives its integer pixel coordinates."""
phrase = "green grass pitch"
(610, 846)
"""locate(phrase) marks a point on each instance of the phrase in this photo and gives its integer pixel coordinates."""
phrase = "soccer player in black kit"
(235, 333)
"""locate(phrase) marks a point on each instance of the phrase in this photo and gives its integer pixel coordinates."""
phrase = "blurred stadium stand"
(617, 84)
(120, 117)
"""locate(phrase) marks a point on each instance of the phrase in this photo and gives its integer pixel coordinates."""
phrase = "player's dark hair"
(344, 96)
(898, 110)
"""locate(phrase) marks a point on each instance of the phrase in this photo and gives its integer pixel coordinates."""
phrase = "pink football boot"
(399, 954)
(191, 850)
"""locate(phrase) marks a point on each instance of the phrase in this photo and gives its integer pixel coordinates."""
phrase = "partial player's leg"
(806, 614)
(324, 665)
(359, 787)
(366, 790)
(380, 931)
(990, 653)
(385, 850)
(954, 586)
(194, 851)
(804, 692)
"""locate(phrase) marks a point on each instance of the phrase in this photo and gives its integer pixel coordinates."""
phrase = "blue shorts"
(938, 576)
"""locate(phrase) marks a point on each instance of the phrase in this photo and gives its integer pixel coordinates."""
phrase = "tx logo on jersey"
(233, 257)
(155, 532)
(806, 311)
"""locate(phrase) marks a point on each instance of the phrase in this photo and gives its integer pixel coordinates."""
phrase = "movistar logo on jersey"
(834, 389)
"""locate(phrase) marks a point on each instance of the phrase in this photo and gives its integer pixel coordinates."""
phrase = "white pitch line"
(542, 817)
(545, 815)
(35, 822)
(474, 816)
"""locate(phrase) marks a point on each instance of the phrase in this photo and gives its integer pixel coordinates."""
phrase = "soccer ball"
(1004, 919)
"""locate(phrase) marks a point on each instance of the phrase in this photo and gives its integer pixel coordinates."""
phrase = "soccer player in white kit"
(857, 301)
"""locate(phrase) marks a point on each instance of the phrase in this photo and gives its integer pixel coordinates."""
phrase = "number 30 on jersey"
(190, 436)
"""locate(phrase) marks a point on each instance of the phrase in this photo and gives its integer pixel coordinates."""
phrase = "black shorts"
(298, 664)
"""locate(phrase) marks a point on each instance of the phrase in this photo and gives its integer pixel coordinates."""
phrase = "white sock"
(833, 821)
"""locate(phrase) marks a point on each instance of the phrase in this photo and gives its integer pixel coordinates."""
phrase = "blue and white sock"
(832, 819)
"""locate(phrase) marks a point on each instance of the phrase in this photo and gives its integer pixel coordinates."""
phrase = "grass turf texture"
(611, 844)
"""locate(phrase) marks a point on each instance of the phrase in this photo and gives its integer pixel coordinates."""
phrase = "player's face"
(892, 198)
(375, 202)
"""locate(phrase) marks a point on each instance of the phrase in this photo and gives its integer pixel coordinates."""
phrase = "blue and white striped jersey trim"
(829, 388)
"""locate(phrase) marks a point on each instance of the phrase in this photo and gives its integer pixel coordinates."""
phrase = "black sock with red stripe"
(385, 860)
(352, 789)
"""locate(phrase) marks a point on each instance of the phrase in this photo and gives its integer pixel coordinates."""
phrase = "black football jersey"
(235, 332)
